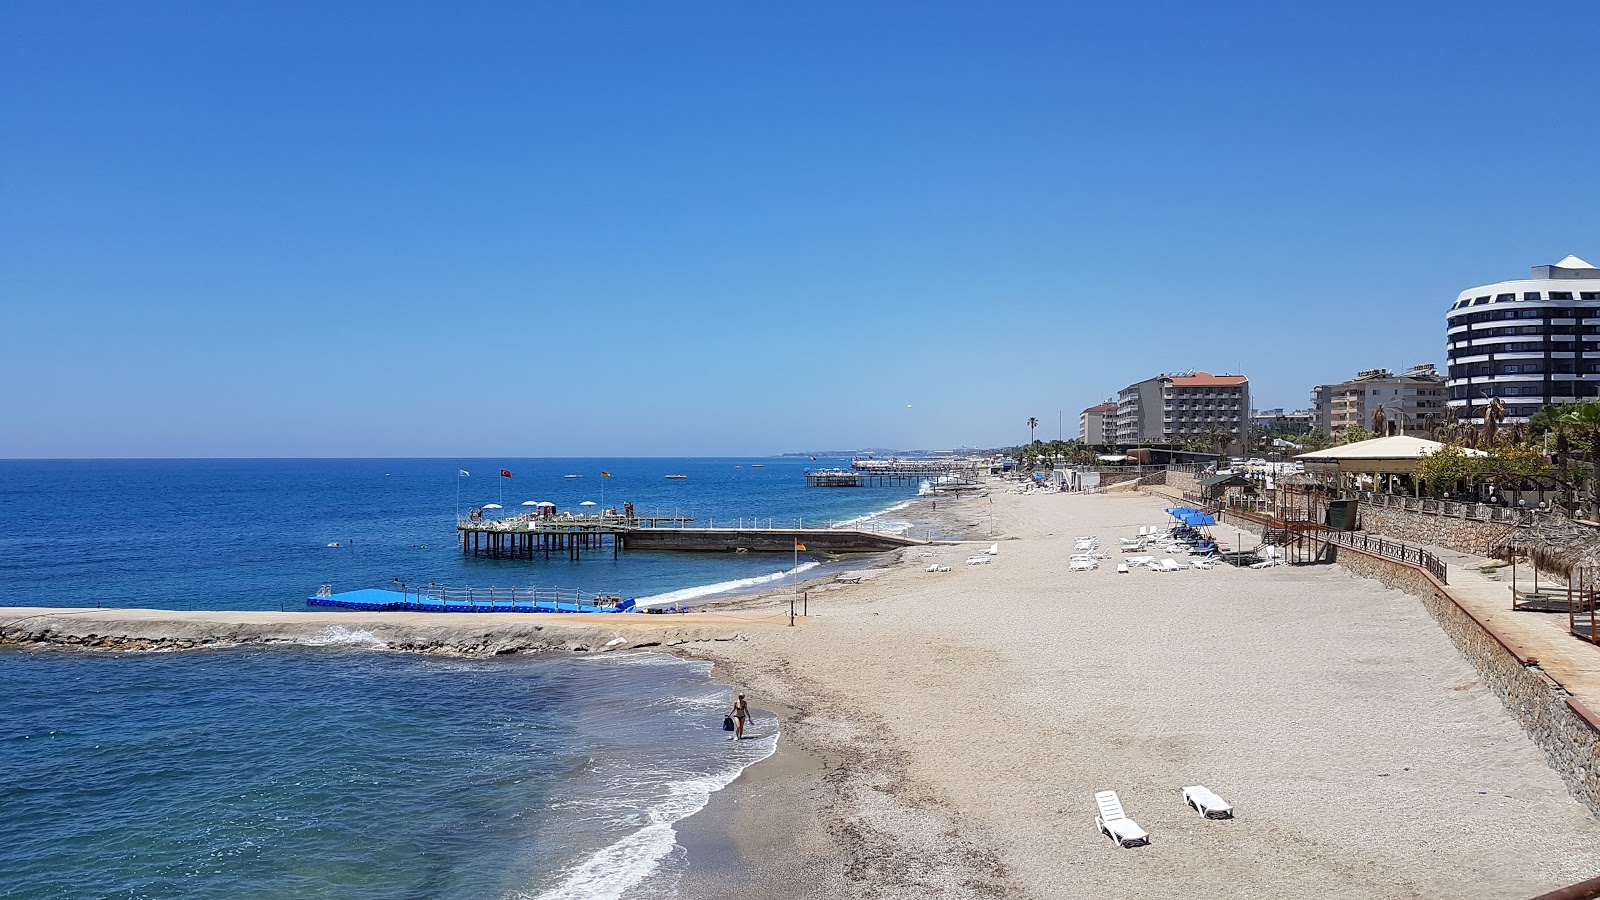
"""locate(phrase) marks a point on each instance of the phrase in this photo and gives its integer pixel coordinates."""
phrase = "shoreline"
(766, 831)
(945, 742)
(942, 733)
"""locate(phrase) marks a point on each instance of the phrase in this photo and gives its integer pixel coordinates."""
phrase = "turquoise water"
(353, 774)
(347, 771)
(253, 534)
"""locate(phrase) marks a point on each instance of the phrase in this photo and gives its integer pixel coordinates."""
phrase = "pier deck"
(379, 600)
(527, 539)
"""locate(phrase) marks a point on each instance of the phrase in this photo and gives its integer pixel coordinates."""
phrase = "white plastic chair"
(1115, 824)
(1202, 800)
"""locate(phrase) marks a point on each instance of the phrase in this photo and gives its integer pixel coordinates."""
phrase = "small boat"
(677, 476)
(335, 544)
(572, 476)
(758, 465)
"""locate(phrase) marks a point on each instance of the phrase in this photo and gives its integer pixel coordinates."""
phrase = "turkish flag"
(505, 473)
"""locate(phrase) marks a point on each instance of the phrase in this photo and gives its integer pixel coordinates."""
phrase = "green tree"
(1583, 421)
(1033, 423)
(1444, 467)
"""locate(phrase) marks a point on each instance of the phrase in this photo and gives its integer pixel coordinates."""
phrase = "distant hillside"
(887, 451)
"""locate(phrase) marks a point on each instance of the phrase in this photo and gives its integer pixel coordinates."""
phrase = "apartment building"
(1410, 400)
(1176, 408)
(1097, 425)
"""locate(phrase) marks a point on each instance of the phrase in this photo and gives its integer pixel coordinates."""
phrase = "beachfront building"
(1097, 425)
(1183, 407)
(1281, 422)
(1529, 343)
(1410, 400)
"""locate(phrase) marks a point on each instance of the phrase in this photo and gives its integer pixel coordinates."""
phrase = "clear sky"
(330, 229)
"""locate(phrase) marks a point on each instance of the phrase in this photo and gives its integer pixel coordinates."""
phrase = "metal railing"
(492, 598)
(1353, 540)
(1377, 546)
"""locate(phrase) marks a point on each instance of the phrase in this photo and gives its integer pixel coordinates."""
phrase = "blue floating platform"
(379, 600)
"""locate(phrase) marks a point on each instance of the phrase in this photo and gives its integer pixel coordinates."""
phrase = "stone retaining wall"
(1411, 527)
(1567, 732)
(1182, 481)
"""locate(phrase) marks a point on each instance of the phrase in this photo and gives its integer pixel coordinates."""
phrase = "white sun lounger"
(1267, 563)
(1139, 560)
(1132, 544)
(978, 560)
(1115, 824)
(1122, 568)
(1202, 800)
(1084, 565)
(1170, 565)
(1202, 564)
(994, 550)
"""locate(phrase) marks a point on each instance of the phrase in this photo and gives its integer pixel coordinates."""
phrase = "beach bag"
(727, 723)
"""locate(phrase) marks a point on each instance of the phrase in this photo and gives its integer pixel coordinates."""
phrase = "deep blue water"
(268, 773)
(253, 534)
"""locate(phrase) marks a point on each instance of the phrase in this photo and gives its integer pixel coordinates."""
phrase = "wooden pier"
(891, 472)
(533, 538)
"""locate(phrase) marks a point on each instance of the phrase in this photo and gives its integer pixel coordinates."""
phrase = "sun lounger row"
(1112, 822)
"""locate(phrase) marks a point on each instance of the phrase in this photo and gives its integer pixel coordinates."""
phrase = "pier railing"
(492, 598)
(617, 523)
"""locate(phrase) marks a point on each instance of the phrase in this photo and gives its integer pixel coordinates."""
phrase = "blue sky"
(261, 229)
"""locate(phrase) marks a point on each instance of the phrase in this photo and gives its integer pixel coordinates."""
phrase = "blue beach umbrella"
(1200, 519)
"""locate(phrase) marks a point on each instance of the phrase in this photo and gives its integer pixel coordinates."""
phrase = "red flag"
(605, 474)
(505, 473)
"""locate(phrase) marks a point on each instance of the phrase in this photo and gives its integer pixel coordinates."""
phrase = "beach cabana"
(1382, 459)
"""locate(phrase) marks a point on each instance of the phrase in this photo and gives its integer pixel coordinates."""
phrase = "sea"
(347, 770)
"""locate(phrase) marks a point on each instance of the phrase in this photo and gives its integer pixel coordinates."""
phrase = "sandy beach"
(946, 732)
(943, 734)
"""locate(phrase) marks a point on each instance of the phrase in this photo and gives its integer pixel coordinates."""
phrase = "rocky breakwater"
(476, 634)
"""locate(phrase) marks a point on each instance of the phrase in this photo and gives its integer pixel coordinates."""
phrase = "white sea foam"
(340, 636)
(614, 870)
(673, 597)
(876, 521)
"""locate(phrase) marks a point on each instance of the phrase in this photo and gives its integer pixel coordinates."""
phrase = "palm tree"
(1032, 424)
(1380, 422)
(1493, 415)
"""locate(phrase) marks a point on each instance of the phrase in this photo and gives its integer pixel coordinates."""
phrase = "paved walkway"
(1534, 636)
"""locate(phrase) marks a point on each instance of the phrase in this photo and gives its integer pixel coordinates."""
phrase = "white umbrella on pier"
(545, 503)
(588, 503)
(491, 506)
(530, 503)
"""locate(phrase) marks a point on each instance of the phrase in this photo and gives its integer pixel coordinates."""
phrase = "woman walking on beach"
(741, 711)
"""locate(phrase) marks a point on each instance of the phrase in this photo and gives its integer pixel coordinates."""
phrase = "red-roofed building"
(1097, 425)
(1184, 406)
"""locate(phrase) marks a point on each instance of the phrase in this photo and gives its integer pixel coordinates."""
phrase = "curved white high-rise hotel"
(1531, 342)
